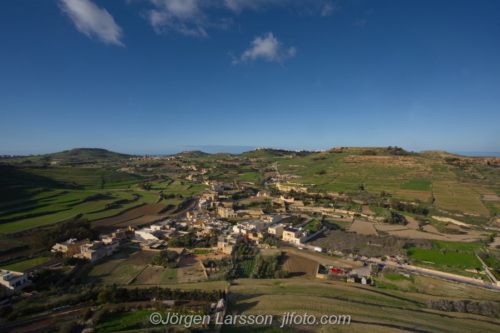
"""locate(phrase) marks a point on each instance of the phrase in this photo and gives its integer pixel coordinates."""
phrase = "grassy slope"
(22, 265)
(371, 309)
(82, 155)
(447, 259)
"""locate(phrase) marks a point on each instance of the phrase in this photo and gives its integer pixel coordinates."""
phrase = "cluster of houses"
(86, 249)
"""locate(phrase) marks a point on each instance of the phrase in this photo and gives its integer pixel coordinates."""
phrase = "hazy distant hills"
(89, 155)
(191, 154)
(80, 155)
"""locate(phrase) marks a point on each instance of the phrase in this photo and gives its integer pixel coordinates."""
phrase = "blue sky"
(161, 76)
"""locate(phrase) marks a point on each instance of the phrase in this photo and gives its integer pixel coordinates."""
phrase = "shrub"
(281, 274)
(70, 327)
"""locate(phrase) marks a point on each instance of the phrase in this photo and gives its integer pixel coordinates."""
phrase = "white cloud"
(239, 5)
(266, 47)
(93, 21)
(183, 16)
(194, 17)
(327, 10)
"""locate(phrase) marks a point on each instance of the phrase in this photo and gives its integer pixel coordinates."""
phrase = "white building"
(276, 230)
(146, 234)
(295, 236)
(12, 281)
(251, 226)
(271, 218)
(98, 249)
(227, 244)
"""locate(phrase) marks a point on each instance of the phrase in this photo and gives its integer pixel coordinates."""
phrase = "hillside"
(80, 155)
(191, 154)
(273, 152)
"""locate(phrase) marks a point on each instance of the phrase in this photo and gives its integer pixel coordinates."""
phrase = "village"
(210, 238)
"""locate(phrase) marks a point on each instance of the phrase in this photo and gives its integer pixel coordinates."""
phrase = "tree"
(145, 186)
(171, 255)
(159, 260)
(213, 241)
(281, 274)
(104, 296)
(318, 226)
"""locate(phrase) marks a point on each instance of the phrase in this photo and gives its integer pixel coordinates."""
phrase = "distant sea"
(477, 154)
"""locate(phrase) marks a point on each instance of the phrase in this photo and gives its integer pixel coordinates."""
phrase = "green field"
(448, 259)
(494, 208)
(23, 265)
(67, 204)
(456, 246)
(253, 177)
(311, 226)
(87, 177)
(169, 276)
(125, 321)
(113, 269)
(396, 277)
(417, 185)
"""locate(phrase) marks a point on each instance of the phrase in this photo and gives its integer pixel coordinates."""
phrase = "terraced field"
(64, 205)
(371, 309)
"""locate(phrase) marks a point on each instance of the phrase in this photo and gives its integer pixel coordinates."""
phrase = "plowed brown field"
(299, 267)
(148, 209)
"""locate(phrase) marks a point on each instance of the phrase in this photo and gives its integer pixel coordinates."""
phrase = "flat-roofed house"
(295, 236)
(96, 250)
(146, 234)
(11, 281)
(70, 247)
(123, 234)
(251, 226)
(276, 230)
(226, 212)
(227, 244)
(271, 218)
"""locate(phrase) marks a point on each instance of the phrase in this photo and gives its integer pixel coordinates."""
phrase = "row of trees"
(413, 208)
(166, 259)
(113, 295)
(485, 308)
(394, 218)
(245, 250)
(182, 241)
(76, 228)
(267, 267)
